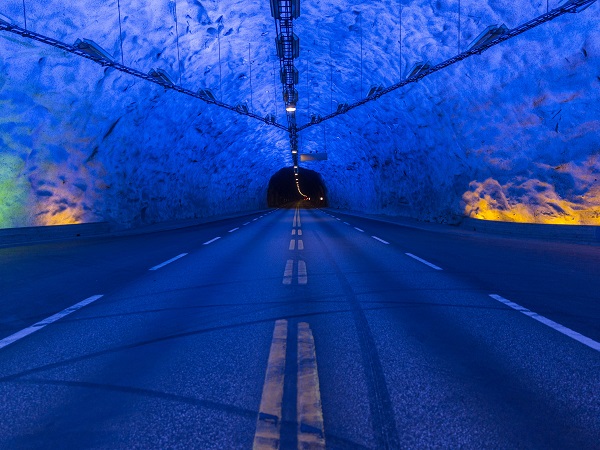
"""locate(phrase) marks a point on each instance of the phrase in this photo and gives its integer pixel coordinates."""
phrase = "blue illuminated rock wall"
(511, 134)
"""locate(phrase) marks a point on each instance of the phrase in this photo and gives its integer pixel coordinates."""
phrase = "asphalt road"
(353, 334)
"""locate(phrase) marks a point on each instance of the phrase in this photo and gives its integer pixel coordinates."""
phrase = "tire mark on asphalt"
(382, 412)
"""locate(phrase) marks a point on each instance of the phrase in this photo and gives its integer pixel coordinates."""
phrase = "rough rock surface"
(512, 134)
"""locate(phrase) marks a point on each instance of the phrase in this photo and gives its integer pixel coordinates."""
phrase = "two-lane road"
(300, 328)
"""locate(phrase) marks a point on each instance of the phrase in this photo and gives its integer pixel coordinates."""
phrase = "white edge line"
(358, 229)
(380, 240)
(39, 325)
(234, 229)
(427, 263)
(556, 326)
(168, 262)
(212, 240)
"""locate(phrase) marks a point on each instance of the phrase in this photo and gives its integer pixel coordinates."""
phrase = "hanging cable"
(105, 62)
(250, 64)
(120, 31)
(24, 15)
(571, 6)
(177, 39)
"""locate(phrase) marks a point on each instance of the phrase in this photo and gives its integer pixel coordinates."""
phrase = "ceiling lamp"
(92, 49)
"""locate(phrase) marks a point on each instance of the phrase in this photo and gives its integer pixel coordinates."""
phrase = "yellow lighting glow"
(532, 201)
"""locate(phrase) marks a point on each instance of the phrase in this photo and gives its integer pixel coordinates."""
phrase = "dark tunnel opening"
(282, 188)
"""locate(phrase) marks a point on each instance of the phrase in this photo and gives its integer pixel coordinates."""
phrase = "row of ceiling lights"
(288, 49)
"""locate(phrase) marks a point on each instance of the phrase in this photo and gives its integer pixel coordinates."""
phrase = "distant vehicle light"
(321, 198)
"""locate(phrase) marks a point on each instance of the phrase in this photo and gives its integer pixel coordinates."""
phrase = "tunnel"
(282, 188)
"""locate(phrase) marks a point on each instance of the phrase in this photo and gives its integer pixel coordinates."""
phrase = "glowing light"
(534, 201)
(291, 107)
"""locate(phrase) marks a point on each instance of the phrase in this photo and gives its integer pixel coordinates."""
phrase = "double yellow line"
(309, 413)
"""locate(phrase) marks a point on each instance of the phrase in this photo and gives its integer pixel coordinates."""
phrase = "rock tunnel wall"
(512, 134)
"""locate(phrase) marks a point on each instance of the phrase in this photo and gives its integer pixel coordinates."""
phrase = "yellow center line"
(300, 244)
(311, 432)
(292, 244)
(268, 424)
(287, 273)
(302, 275)
(294, 232)
(299, 232)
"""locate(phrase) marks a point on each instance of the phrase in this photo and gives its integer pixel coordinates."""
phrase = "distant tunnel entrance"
(282, 188)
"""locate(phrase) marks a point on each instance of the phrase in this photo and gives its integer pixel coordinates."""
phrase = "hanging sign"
(313, 157)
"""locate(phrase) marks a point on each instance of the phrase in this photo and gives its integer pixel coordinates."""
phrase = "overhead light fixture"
(290, 97)
(489, 34)
(92, 49)
(161, 77)
(207, 94)
(6, 21)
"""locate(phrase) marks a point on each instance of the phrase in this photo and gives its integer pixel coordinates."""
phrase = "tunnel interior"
(282, 188)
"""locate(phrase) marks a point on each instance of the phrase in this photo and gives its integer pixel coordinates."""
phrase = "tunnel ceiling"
(510, 134)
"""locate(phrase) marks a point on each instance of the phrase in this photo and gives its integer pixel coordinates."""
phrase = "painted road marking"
(380, 240)
(358, 229)
(212, 240)
(289, 270)
(337, 218)
(294, 232)
(233, 229)
(311, 432)
(299, 232)
(557, 326)
(346, 223)
(300, 244)
(247, 223)
(292, 244)
(302, 274)
(433, 266)
(168, 262)
(268, 423)
(256, 218)
(38, 326)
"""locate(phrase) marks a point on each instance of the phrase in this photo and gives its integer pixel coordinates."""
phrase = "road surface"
(300, 328)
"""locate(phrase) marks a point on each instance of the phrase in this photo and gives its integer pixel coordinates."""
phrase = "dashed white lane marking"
(292, 244)
(300, 244)
(346, 223)
(379, 239)
(294, 232)
(299, 232)
(289, 270)
(358, 229)
(212, 240)
(302, 274)
(247, 223)
(337, 218)
(256, 218)
(268, 423)
(557, 326)
(233, 229)
(38, 326)
(168, 262)
(427, 263)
